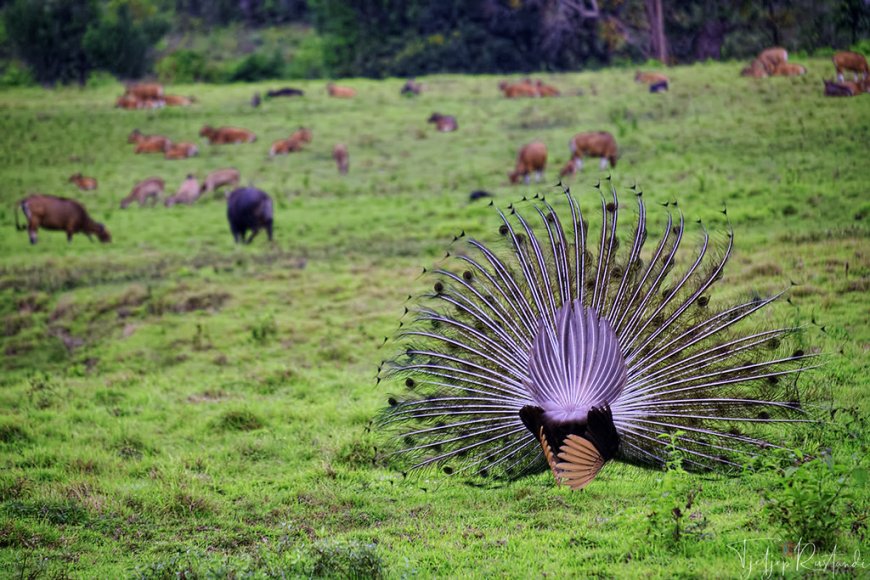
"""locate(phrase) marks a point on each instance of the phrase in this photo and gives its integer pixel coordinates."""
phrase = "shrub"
(118, 45)
(258, 67)
(183, 66)
(15, 75)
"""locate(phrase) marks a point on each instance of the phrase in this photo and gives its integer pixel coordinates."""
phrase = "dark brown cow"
(444, 123)
(342, 158)
(82, 182)
(59, 213)
(532, 157)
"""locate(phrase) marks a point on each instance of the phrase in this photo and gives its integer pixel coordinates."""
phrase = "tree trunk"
(656, 19)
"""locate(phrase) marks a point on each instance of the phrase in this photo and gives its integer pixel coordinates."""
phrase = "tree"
(48, 34)
(121, 46)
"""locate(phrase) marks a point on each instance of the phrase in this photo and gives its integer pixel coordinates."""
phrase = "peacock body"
(567, 349)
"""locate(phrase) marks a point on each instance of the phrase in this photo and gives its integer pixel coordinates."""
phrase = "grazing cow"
(177, 101)
(146, 90)
(342, 159)
(411, 87)
(187, 193)
(146, 189)
(658, 87)
(787, 69)
(595, 144)
(182, 150)
(82, 182)
(444, 123)
(755, 70)
(59, 213)
(773, 57)
(225, 135)
(524, 88)
(249, 209)
(340, 92)
(850, 61)
(219, 178)
(293, 143)
(650, 78)
(532, 157)
(285, 92)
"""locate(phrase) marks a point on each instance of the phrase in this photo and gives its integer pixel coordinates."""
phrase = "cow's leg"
(539, 175)
(839, 76)
(269, 230)
(578, 163)
(526, 178)
(31, 232)
(603, 164)
(69, 236)
(254, 232)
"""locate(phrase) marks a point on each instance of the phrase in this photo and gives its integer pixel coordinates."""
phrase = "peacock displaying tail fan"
(566, 348)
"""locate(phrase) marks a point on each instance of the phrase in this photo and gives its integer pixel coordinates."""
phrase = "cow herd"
(251, 210)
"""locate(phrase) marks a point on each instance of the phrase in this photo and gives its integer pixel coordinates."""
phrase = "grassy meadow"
(175, 406)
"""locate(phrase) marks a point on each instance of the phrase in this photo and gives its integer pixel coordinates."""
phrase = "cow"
(219, 178)
(787, 69)
(340, 92)
(524, 88)
(147, 189)
(478, 194)
(532, 157)
(342, 159)
(850, 61)
(255, 100)
(772, 57)
(187, 193)
(181, 150)
(149, 143)
(444, 123)
(249, 209)
(545, 90)
(285, 92)
(293, 143)
(659, 87)
(177, 101)
(595, 144)
(650, 78)
(133, 102)
(411, 87)
(834, 89)
(755, 70)
(225, 135)
(82, 182)
(59, 213)
(146, 90)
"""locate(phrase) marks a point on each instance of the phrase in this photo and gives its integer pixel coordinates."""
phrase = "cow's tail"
(22, 205)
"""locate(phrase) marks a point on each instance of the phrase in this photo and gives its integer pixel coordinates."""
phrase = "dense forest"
(49, 41)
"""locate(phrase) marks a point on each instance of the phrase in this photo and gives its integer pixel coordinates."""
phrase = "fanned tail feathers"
(566, 323)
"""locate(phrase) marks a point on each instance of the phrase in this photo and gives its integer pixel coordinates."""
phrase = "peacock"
(559, 347)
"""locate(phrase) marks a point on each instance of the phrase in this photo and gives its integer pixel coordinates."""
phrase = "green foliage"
(184, 66)
(346, 560)
(121, 46)
(257, 67)
(15, 75)
(309, 61)
(48, 35)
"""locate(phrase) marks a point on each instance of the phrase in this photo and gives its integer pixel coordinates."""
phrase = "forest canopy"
(51, 41)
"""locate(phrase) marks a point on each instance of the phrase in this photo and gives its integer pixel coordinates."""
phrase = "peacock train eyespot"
(572, 350)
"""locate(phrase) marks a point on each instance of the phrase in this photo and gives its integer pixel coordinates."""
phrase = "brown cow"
(787, 69)
(595, 144)
(59, 213)
(293, 143)
(444, 123)
(187, 193)
(342, 158)
(411, 87)
(177, 101)
(128, 102)
(850, 61)
(650, 78)
(146, 189)
(82, 182)
(146, 90)
(340, 92)
(149, 143)
(773, 57)
(532, 157)
(219, 178)
(225, 135)
(545, 90)
(755, 70)
(523, 88)
(181, 150)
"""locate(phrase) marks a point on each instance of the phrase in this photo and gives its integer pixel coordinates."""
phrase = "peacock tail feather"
(567, 348)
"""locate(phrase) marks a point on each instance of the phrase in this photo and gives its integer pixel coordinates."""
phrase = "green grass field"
(175, 406)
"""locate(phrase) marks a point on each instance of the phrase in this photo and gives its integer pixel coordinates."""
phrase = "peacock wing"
(580, 463)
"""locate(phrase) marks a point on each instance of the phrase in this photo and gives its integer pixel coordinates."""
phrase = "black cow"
(249, 208)
(285, 92)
